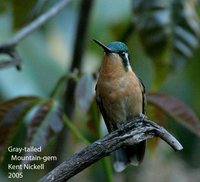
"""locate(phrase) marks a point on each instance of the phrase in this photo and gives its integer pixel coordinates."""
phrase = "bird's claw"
(143, 116)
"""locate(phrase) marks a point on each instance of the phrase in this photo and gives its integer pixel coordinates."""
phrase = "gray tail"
(129, 155)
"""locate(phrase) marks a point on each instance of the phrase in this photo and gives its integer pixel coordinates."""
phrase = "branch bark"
(133, 132)
(9, 45)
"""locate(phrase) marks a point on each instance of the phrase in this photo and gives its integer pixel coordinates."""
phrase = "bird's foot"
(143, 116)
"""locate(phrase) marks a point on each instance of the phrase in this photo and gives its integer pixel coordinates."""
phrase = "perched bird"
(120, 96)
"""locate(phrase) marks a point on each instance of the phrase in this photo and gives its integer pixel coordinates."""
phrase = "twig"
(133, 132)
(79, 47)
(10, 44)
(25, 31)
(14, 62)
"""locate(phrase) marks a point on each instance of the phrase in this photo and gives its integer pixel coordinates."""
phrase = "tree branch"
(133, 132)
(77, 57)
(79, 47)
(15, 59)
(25, 31)
(9, 45)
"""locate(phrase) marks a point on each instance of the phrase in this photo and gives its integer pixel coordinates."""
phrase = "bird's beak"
(106, 49)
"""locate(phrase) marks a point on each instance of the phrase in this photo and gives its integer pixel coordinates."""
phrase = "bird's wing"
(144, 100)
(103, 111)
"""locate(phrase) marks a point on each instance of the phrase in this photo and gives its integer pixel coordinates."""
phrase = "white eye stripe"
(126, 56)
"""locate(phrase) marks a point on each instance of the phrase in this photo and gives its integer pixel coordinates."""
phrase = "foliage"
(168, 32)
(175, 109)
(11, 116)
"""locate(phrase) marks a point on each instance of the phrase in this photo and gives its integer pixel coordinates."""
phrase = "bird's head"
(119, 49)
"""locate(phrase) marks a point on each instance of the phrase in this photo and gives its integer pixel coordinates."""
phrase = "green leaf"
(75, 131)
(152, 20)
(185, 31)
(57, 87)
(94, 117)
(107, 166)
(12, 113)
(168, 31)
(4, 5)
(156, 114)
(46, 123)
(22, 12)
(175, 109)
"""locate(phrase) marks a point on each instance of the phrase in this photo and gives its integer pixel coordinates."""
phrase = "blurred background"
(59, 67)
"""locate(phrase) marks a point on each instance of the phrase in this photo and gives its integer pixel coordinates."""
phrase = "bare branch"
(15, 60)
(10, 44)
(79, 47)
(133, 132)
(77, 58)
(25, 31)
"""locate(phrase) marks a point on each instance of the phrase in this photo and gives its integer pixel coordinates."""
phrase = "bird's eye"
(123, 54)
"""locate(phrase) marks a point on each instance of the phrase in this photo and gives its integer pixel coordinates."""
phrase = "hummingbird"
(120, 96)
